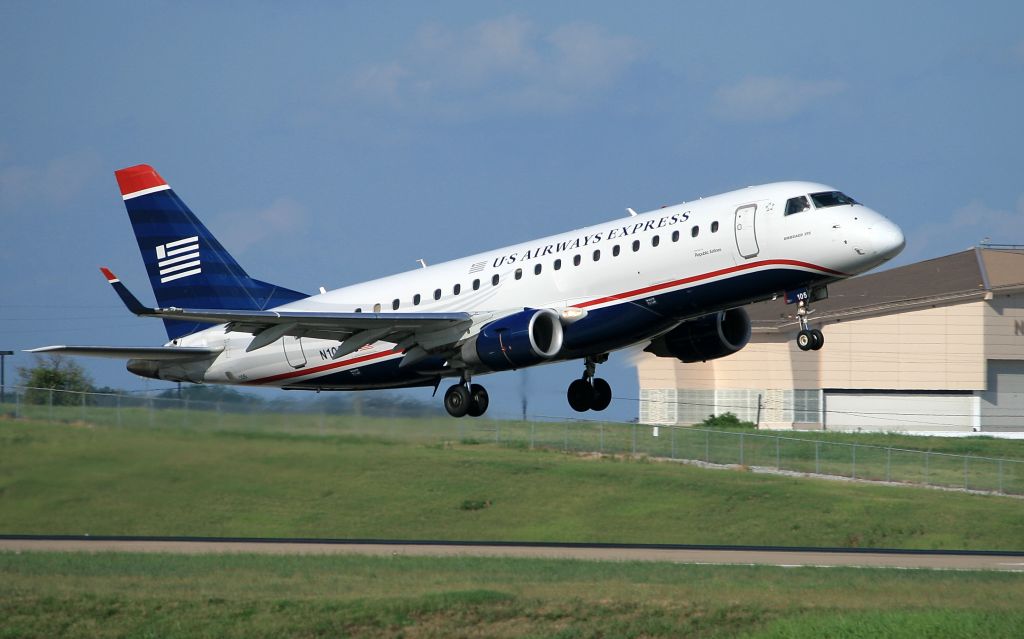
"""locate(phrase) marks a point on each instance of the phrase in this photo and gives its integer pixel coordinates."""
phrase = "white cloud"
(57, 182)
(243, 230)
(506, 64)
(766, 98)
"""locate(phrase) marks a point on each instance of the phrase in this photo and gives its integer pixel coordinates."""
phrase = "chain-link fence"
(739, 448)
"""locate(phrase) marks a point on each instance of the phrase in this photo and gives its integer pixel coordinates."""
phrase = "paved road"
(687, 555)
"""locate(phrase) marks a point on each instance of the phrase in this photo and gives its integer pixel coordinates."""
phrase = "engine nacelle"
(515, 341)
(707, 337)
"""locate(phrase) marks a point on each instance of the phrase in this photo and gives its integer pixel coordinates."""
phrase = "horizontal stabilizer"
(133, 352)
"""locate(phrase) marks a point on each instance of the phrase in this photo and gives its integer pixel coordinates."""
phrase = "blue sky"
(328, 143)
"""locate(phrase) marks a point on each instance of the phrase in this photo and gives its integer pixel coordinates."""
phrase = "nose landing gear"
(466, 399)
(808, 339)
(589, 392)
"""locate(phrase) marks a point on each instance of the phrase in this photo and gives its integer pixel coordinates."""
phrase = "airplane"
(673, 280)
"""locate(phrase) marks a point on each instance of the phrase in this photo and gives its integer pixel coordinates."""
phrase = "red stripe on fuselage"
(602, 300)
(706, 276)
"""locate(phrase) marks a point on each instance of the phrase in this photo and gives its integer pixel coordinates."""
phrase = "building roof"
(959, 277)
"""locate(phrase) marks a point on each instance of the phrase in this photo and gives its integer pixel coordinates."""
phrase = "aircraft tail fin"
(187, 266)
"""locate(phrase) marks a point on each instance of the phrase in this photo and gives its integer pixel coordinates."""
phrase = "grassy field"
(77, 479)
(125, 595)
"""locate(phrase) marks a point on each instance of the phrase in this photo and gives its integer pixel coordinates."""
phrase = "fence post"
(497, 432)
(778, 456)
(888, 464)
(1000, 474)
(81, 411)
(926, 467)
(707, 447)
(149, 410)
(17, 404)
(966, 460)
(532, 426)
(817, 463)
(853, 467)
(602, 437)
(118, 411)
(673, 435)
(187, 421)
(741, 449)
(49, 410)
(634, 438)
(565, 438)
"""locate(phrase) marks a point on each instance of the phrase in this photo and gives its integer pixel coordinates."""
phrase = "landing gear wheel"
(457, 400)
(581, 395)
(805, 340)
(602, 395)
(478, 400)
(819, 339)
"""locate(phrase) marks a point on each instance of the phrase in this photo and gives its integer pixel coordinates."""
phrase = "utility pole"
(3, 375)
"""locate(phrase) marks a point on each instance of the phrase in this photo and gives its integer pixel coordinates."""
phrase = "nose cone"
(888, 239)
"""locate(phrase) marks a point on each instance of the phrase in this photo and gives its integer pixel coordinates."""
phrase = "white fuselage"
(658, 255)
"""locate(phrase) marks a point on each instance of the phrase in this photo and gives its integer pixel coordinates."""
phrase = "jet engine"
(521, 339)
(706, 337)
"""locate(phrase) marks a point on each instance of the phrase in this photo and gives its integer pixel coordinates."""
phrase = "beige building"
(933, 346)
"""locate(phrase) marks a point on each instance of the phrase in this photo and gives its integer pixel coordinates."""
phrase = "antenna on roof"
(423, 263)
(631, 212)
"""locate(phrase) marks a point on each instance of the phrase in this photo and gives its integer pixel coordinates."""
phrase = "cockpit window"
(831, 198)
(797, 204)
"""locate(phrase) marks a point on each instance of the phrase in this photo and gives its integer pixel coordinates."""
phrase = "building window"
(416, 299)
(655, 240)
(394, 305)
(615, 251)
(476, 285)
(519, 273)
(437, 294)
(714, 226)
(675, 236)
(597, 255)
(694, 231)
(636, 245)
(807, 406)
(536, 269)
(558, 265)
(576, 260)
(457, 289)
(494, 280)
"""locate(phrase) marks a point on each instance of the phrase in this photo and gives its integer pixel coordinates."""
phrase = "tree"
(58, 373)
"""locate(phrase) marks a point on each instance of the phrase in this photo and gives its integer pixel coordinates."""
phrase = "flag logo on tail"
(178, 259)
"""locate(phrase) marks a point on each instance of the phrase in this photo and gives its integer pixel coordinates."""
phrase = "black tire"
(478, 400)
(805, 340)
(602, 395)
(819, 339)
(580, 395)
(457, 400)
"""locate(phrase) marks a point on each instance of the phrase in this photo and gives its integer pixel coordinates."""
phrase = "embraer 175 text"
(673, 279)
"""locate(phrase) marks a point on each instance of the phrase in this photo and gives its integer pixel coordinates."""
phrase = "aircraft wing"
(133, 352)
(416, 333)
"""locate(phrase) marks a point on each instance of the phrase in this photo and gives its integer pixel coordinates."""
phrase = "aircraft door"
(293, 351)
(746, 239)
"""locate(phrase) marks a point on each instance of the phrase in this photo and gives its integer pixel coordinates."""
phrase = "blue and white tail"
(187, 266)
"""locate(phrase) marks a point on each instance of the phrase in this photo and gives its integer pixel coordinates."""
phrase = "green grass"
(116, 595)
(78, 479)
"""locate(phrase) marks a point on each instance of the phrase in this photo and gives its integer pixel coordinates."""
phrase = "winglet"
(132, 302)
(139, 180)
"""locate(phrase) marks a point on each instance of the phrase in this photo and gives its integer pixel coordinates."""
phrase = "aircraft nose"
(889, 239)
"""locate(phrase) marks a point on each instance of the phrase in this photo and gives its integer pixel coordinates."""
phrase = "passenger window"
(359, 310)
(536, 270)
(797, 205)
(437, 294)
(394, 305)
(714, 226)
(655, 240)
(675, 236)
(597, 255)
(416, 299)
(457, 289)
(376, 307)
(558, 264)
(636, 245)
(519, 273)
(476, 284)
(615, 251)
(494, 280)
(694, 231)
(576, 260)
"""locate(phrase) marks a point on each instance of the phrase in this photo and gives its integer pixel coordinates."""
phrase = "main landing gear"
(808, 339)
(589, 392)
(466, 399)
